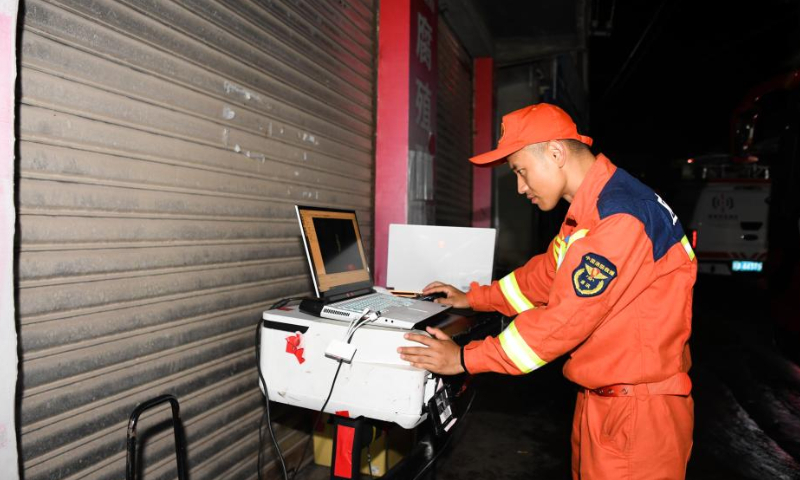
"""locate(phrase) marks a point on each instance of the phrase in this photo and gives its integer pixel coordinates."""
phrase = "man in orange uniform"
(613, 291)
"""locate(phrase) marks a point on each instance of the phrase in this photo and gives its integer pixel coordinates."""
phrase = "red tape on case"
(293, 347)
(344, 451)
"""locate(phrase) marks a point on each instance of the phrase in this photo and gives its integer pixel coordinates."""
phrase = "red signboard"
(406, 130)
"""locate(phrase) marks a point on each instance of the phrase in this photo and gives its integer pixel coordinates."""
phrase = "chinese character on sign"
(423, 104)
(424, 38)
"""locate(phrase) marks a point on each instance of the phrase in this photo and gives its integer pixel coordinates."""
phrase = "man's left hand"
(439, 355)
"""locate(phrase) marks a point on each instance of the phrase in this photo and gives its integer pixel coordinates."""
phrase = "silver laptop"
(341, 277)
(419, 254)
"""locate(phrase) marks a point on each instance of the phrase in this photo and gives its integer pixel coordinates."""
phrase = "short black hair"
(573, 145)
(576, 145)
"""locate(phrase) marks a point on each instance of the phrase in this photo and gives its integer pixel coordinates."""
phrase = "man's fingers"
(438, 333)
(439, 353)
(414, 351)
(432, 285)
(423, 366)
(419, 361)
(427, 363)
(439, 287)
(423, 339)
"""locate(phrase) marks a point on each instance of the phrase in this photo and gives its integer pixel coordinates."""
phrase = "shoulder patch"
(593, 275)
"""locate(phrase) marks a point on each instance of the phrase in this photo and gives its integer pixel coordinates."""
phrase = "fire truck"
(729, 225)
(745, 218)
(768, 126)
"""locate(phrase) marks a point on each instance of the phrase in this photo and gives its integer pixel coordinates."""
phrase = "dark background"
(665, 81)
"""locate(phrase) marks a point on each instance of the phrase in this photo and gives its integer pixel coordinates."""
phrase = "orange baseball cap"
(533, 124)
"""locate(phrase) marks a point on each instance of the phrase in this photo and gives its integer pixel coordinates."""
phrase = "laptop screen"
(334, 249)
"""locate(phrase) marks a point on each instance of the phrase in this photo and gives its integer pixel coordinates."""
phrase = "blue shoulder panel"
(625, 194)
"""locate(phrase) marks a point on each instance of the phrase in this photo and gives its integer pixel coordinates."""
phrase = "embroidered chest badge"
(593, 275)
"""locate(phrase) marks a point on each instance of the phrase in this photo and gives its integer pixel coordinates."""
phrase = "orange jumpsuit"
(614, 291)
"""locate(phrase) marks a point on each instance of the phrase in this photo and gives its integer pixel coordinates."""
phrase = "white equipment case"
(377, 384)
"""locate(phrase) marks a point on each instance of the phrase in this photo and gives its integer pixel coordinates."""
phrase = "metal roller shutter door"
(162, 148)
(453, 173)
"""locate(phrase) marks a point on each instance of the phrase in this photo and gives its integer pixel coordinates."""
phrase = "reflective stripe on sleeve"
(557, 245)
(688, 247)
(514, 296)
(568, 243)
(518, 351)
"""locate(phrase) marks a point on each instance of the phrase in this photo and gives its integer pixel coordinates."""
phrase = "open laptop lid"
(420, 254)
(334, 250)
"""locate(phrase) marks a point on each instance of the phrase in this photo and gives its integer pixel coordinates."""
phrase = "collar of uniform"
(586, 197)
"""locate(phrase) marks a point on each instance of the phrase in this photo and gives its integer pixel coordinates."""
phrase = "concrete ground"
(747, 397)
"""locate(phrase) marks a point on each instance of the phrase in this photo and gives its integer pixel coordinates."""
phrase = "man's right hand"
(455, 297)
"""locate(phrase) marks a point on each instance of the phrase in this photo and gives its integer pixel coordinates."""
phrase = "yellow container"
(399, 443)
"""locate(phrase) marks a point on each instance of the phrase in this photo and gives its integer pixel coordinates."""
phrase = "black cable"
(316, 422)
(447, 442)
(321, 410)
(267, 413)
(260, 440)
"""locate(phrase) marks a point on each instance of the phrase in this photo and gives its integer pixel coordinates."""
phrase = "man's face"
(539, 177)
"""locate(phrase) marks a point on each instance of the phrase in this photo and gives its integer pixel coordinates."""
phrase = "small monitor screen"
(338, 245)
(334, 247)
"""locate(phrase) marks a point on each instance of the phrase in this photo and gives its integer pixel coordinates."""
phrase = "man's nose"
(522, 187)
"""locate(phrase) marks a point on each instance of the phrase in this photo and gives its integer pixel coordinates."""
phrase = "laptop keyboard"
(374, 301)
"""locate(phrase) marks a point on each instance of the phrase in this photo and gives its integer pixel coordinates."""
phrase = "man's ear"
(557, 152)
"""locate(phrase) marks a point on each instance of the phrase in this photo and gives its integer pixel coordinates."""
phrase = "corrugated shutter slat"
(163, 146)
(453, 179)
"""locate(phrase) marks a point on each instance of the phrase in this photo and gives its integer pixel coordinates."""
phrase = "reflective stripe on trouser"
(688, 247)
(564, 245)
(513, 294)
(518, 351)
